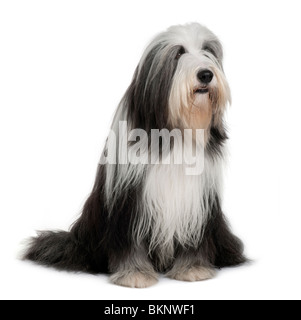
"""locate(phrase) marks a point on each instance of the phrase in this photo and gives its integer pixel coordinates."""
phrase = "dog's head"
(179, 82)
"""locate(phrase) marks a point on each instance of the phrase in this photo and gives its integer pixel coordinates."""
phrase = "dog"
(143, 218)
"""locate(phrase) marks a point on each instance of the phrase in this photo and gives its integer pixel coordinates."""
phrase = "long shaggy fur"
(141, 219)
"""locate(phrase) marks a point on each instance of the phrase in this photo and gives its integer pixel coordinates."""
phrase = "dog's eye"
(180, 53)
(210, 50)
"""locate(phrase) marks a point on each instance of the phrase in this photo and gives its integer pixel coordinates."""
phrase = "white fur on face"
(187, 109)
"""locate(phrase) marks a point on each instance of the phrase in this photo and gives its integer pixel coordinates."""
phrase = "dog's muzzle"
(205, 77)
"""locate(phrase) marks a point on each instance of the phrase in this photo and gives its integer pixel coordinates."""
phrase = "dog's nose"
(205, 76)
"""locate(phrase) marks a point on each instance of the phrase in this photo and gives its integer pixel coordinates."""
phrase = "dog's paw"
(193, 274)
(134, 279)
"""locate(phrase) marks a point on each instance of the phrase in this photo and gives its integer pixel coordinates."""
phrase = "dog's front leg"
(189, 265)
(134, 271)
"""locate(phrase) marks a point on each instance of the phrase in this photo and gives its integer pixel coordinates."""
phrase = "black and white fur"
(143, 219)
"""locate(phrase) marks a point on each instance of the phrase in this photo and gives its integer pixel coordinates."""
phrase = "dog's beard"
(194, 106)
(198, 115)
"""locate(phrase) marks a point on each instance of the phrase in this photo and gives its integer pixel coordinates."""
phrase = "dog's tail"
(59, 250)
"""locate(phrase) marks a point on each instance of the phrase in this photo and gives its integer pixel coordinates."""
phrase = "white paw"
(134, 279)
(193, 274)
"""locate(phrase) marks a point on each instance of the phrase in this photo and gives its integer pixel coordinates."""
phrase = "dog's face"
(179, 82)
(199, 90)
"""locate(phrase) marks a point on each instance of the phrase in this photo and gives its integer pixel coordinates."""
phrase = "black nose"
(205, 76)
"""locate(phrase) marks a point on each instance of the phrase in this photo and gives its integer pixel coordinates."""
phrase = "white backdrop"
(64, 65)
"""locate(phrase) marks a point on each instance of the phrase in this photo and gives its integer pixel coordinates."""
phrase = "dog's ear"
(148, 95)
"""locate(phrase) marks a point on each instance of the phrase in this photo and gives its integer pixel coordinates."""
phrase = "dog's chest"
(177, 205)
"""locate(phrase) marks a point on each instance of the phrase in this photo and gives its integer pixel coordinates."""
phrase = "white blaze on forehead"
(191, 37)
